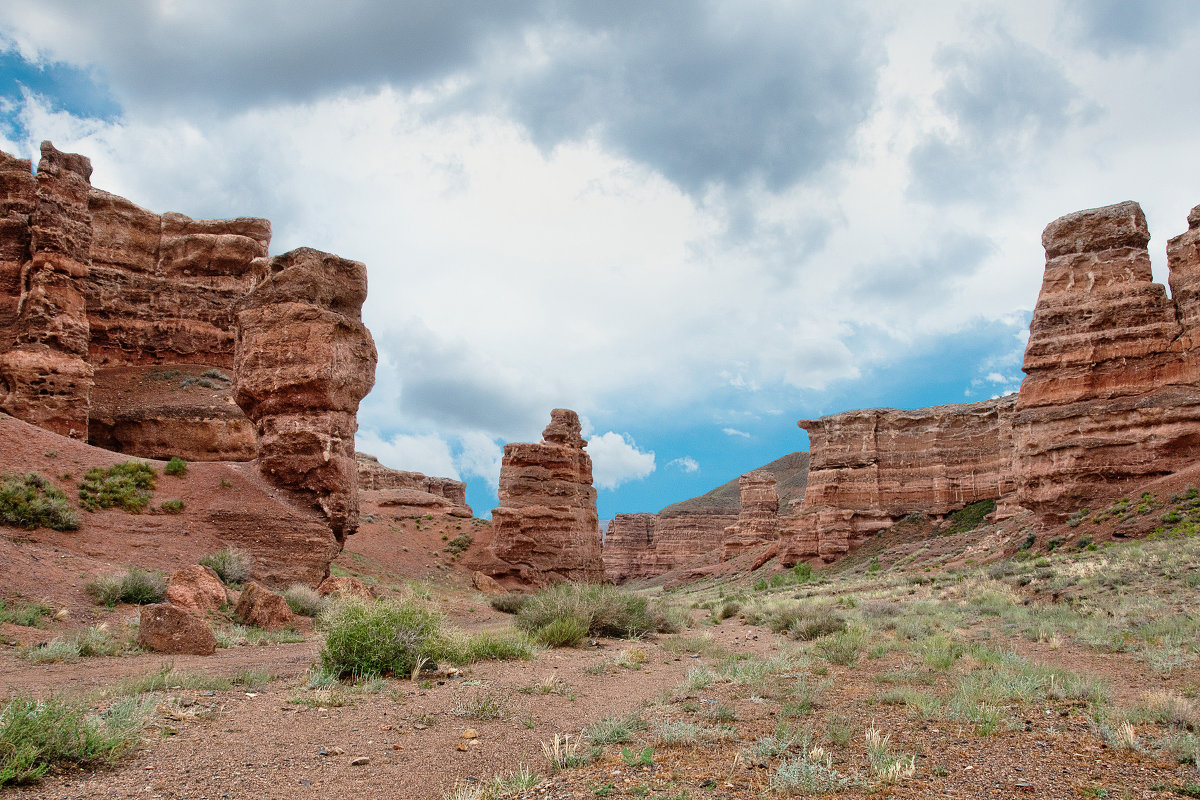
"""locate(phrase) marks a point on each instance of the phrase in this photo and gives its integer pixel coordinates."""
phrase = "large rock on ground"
(303, 362)
(196, 589)
(344, 586)
(263, 608)
(165, 628)
(546, 528)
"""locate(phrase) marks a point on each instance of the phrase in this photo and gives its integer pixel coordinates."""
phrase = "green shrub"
(970, 517)
(28, 615)
(232, 566)
(596, 609)
(304, 600)
(562, 632)
(38, 734)
(31, 501)
(510, 603)
(215, 374)
(172, 506)
(367, 640)
(461, 648)
(96, 640)
(137, 586)
(126, 485)
(176, 466)
(459, 543)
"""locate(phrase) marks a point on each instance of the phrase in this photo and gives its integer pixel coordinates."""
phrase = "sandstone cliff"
(412, 493)
(546, 528)
(758, 519)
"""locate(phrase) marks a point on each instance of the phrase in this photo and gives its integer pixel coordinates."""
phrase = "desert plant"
(126, 485)
(597, 609)
(614, 729)
(563, 753)
(510, 603)
(137, 586)
(30, 501)
(562, 632)
(172, 506)
(38, 734)
(215, 374)
(28, 615)
(810, 773)
(232, 566)
(481, 705)
(302, 599)
(176, 466)
(458, 544)
(373, 639)
(96, 640)
(459, 647)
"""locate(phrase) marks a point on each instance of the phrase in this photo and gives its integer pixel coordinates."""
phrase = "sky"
(694, 223)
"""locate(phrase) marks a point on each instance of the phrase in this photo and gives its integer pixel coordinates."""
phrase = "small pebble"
(361, 761)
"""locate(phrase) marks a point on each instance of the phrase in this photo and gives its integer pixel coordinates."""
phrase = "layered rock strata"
(758, 519)
(869, 468)
(412, 492)
(303, 361)
(1112, 387)
(546, 528)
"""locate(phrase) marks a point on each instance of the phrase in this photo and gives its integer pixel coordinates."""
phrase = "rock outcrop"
(196, 589)
(546, 528)
(412, 493)
(164, 628)
(263, 608)
(758, 519)
(302, 362)
(1112, 387)
(872, 467)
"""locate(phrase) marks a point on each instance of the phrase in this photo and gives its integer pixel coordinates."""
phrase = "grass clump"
(36, 735)
(304, 600)
(232, 566)
(126, 485)
(96, 640)
(510, 603)
(28, 615)
(30, 501)
(172, 506)
(562, 615)
(136, 586)
(614, 729)
(461, 648)
(368, 640)
(176, 466)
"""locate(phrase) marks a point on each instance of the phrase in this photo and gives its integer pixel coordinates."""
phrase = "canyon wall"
(411, 492)
(546, 528)
(758, 519)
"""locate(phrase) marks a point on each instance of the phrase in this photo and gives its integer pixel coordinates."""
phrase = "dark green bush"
(176, 466)
(459, 543)
(126, 485)
(172, 506)
(562, 632)
(367, 640)
(969, 517)
(31, 501)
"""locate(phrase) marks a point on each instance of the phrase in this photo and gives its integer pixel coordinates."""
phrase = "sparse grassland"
(30, 501)
(126, 485)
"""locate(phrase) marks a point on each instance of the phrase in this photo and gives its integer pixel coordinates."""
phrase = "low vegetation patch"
(137, 586)
(26, 614)
(562, 615)
(302, 599)
(30, 501)
(97, 640)
(126, 485)
(176, 466)
(391, 637)
(232, 566)
(969, 517)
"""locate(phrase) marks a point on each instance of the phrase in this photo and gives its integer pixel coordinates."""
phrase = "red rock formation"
(196, 589)
(871, 467)
(546, 528)
(411, 492)
(165, 628)
(303, 362)
(1111, 391)
(758, 520)
(263, 608)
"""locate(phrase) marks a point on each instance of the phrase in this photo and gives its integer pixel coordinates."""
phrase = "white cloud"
(481, 456)
(426, 453)
(685, 463)
(996, 377)
(735, 432)
(616, 459)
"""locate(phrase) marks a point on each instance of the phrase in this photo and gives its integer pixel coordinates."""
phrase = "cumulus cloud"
(616, 459)
(427, 453)
(685, 464)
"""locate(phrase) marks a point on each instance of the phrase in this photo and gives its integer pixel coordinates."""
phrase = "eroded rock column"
(758, 520)
(303, 361)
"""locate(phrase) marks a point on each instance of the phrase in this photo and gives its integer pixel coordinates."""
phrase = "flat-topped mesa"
(546, 528)
(871, 467)
(411, 492)
(1112, 387)
(303, 361)
(758, 519)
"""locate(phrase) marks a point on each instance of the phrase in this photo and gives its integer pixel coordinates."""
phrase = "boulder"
(165, 628)
(196, 589)
(263, 608)
(486, 583)
(344, 586)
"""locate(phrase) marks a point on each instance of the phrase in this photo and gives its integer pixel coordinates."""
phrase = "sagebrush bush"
(176, 466)
(367, 640)
(30, 501)
(137, 586)
(38, 734)
(510, 603)
(126, 485)
(232, 566)
(562, 632)
(304, 600)
(597, 609)
(459, 647)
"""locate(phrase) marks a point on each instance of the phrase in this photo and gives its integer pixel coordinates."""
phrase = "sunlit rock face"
(546, 528)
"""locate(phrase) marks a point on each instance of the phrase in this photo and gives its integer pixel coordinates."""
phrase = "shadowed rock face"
(303, 361)
(546, 528)
(1112, 387)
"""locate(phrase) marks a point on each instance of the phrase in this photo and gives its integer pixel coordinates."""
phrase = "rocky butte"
(157, 335)
(546, 528)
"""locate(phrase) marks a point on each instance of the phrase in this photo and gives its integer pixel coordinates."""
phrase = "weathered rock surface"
(165, 628)
(411, 492)
(1112, 387)
(344, 585)
(263, 608)
(196, 589)
(758, 519)
(546, 528)
(303, 362)
(874, 466)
